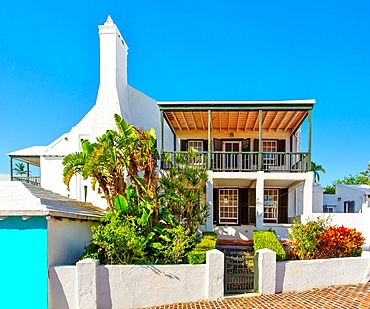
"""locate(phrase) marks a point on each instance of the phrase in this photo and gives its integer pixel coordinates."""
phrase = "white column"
(209, 200)
(266, 271)
(259, 199)
(86, 284)
(307, 196)
(215, 274)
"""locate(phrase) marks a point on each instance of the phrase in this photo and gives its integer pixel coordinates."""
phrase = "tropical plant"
(182, 191)
(316, 169)
(318, 240)
(114, 155)
(122, 164)
(339, 241)
(20, 169)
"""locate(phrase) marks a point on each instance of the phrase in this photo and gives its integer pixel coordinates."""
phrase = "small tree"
(316, 169)
(20, 169)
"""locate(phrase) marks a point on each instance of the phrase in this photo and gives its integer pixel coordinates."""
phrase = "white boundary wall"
(309, 274)
(135, 286)
(305, 275)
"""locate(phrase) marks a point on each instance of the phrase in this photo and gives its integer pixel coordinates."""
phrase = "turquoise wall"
(23, 263)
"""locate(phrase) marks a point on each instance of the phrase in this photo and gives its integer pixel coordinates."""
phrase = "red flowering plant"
(339, 241)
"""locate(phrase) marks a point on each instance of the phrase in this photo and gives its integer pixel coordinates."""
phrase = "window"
(269, 158)
(228, 206)
(198, 146)
(329, 208)
(270, 203)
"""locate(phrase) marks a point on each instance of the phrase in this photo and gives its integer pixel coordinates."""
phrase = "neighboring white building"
(348, 199)
(258, 175)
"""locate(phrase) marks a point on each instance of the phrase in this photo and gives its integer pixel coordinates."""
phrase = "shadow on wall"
(280, 275)
(103, 288)
(59, 299)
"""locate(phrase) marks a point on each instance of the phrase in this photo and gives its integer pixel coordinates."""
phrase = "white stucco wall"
(349, 193)
(162, 285)
(51, 173)
(135, 286)
(62, 287)
(67, 239)
(305, 275)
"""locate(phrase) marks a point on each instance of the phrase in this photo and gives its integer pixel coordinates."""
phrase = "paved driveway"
(343, 297)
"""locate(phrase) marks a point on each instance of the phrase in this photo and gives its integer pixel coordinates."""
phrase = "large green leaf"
(120, 203)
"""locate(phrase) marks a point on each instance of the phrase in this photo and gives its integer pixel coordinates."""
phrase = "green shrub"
(118, 240)
(198, 254)
(306, 237)
(269, 240)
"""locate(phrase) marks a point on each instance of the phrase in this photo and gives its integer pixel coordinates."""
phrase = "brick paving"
(355, 296)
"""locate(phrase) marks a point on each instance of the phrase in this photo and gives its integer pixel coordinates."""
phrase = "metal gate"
(240, 274)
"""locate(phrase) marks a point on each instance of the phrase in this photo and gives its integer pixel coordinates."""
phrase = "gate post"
(266, 271)
(214, 274)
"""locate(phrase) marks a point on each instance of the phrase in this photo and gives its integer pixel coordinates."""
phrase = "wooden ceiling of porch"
(274, 121)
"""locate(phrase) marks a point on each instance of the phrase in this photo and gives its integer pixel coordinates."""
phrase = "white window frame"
(271, 204)
(231, 161)
(228, 206)
(329, 209)
(198, 146)
(269, 146)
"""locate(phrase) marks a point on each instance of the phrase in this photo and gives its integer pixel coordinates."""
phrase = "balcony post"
(161, 134)
(209, 139)
(11, 168)
(308, 168)
(260, 140)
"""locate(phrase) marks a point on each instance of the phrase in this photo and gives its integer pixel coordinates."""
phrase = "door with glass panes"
(232, 158)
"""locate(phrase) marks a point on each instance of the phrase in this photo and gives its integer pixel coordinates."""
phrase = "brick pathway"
(342, 297)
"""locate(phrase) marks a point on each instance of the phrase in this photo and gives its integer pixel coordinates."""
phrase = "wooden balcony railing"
(32, 180)
(241, 161)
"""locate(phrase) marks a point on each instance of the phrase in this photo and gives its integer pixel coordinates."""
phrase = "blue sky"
(191, 50)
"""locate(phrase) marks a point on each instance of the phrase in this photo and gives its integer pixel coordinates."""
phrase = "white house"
(258, 175)
(348, 199)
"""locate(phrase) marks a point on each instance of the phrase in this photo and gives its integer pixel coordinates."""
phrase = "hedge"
(269, 240)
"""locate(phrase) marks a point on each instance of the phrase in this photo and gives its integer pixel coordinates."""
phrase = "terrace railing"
(223, 161)
(32, 180)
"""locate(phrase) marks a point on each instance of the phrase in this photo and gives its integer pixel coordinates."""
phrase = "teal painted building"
(38, 228)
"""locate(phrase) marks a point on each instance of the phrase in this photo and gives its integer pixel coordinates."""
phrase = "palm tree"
(20, 169)
(316, 169)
